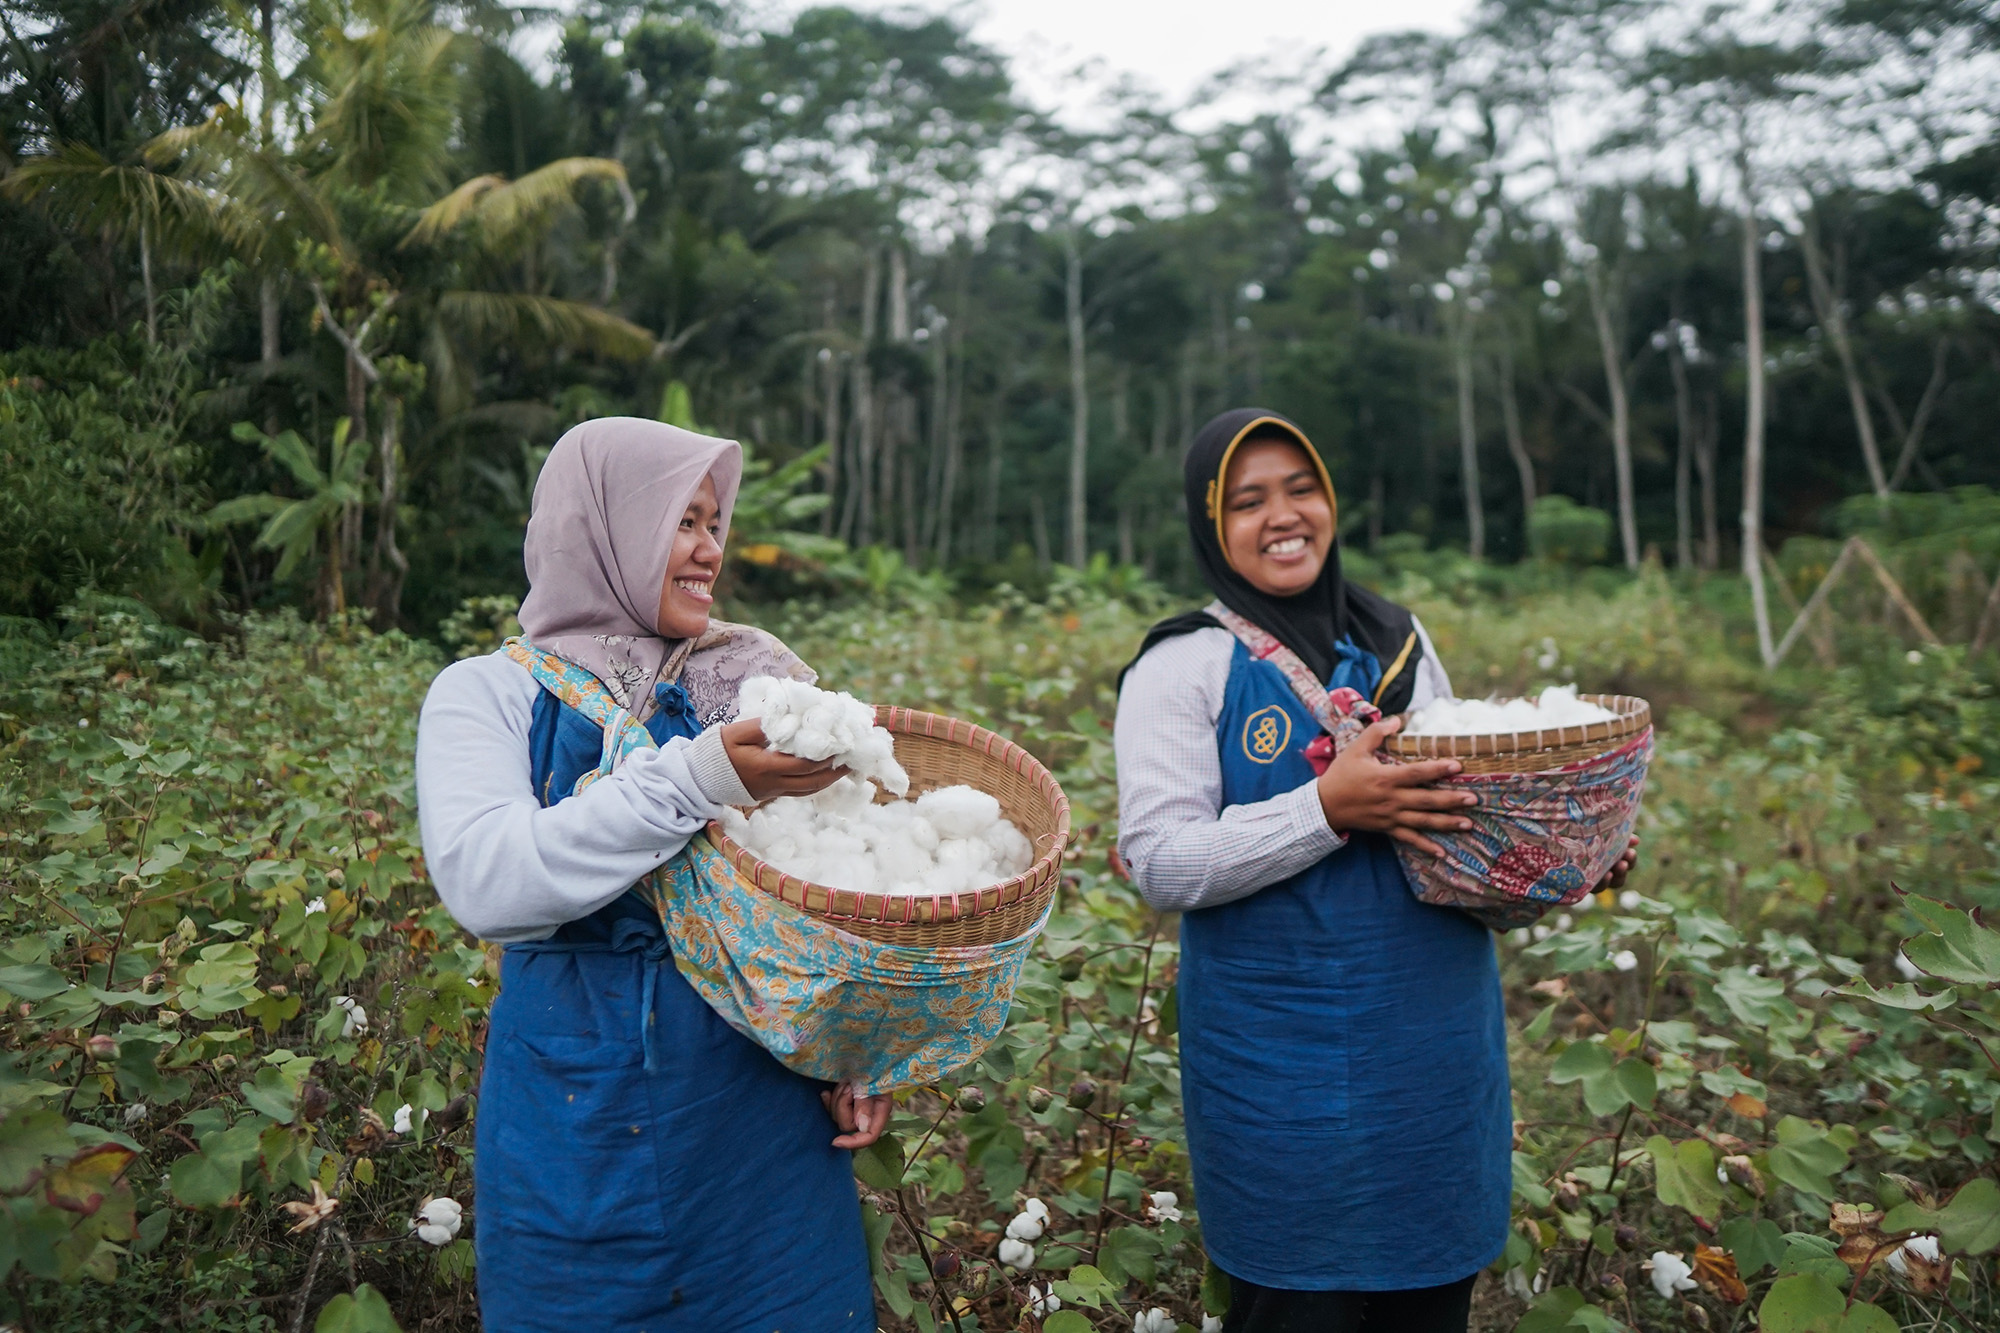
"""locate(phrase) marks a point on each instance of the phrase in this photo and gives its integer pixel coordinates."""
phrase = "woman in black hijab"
(1312, 622)
(1344, 1060)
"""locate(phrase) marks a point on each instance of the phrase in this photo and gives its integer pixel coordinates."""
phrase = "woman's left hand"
(1616, 879)
(861, 1119)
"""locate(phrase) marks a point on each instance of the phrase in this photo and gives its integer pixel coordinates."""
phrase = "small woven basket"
(1531, 751)
(939, 751)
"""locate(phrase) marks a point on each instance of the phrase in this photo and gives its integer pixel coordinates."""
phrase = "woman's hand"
(767, 772)
(1358, 791)
(1616, 879)
(861, 1119)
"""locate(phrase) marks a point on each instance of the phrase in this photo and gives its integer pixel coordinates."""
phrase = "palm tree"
(330, 504)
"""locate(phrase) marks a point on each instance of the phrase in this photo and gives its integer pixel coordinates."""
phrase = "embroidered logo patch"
(1266, 733)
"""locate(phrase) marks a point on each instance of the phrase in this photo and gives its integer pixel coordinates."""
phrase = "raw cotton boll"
(1557, 706)
(812, 723)
(1013, 852)
(842, 837)
(959, 812)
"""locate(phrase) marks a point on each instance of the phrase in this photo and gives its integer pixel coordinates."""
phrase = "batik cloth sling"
(826, 1004)
(1538, 840)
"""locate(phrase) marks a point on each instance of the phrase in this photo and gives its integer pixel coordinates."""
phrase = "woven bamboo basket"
(1531, 751)
(939, 751)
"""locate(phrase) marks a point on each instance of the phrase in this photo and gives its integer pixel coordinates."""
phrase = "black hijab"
(1308, 622)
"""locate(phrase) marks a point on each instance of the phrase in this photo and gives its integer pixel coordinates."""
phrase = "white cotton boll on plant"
(1557, 706)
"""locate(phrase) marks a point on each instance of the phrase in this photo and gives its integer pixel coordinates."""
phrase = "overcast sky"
(1173, 45)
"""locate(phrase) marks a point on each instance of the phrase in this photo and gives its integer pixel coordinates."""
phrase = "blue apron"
(1343, 1055)
(698, 1189)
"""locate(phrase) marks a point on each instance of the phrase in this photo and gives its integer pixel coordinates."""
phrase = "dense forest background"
(1610, 254)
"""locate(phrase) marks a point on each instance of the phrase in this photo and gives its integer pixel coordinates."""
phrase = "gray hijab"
(601, 529)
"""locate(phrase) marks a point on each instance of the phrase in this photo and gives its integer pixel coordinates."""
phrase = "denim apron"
(640, 1166)
(1344, 1059)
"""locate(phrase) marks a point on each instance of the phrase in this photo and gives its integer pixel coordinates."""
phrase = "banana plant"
(330, 504)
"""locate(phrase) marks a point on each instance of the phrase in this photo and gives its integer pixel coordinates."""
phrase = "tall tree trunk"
(1913, 434)
(1621, 408)
(934, 495)
(1708, 432)
(858, 520)
(1079, 394)
(1826, 300)
(1517, 443)
(1468, 435)
(829, 417)
(989, 507)
(954, 441)
(146, 276)
(391, 566)
(1121, 429)
(1753, 424)
(267, 98)
(1683, 452)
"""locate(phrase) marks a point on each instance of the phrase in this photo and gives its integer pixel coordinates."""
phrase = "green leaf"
(1684, 1175)
(27, 1142)
(1591, 1064)
(1808, 1303)
(366, 1311)
(1066, 1321)
(1129, 1252)
(273, 1094)
(211, 1177)
(1804, 1303)
(1805, 1253)
(1902, 995)
(1757, 1000)
(880, 1164)
(1969, 1224)
(1958, 946)
(1551, 1311)
(1756, 1242)
(875, 1227)
(1215, 1292)
(1538, 1027)
(32, 981)
(1806, 1157)
(71, 823)
(1638, 1082)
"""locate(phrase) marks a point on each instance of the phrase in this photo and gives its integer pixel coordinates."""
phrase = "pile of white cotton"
(1557, 707)
(812, 723)
(951, 840)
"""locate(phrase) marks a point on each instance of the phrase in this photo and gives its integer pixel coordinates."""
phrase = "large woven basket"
(1531, 751)
(939, 751)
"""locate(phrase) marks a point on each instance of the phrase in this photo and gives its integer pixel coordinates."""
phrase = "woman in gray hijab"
(639, 1164)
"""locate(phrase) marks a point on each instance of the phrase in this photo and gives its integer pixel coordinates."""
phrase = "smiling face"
(1277, 519)
(688, 592)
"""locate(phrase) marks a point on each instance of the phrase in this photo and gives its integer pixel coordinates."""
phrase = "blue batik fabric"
(1344, 1058)
(695, 1190)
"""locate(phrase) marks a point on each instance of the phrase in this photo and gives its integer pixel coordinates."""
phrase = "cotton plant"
(438, 1221)
(1924, 1249)
(1017, 1254)
(1163, 1206)
(408, 1117)
(1030, 1222)
(1154, 1320)
(1670, 1273)
(1042, 1299)
(354, 1019)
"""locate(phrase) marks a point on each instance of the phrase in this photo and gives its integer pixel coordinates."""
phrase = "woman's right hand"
(1359, 791)
(767, 772)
